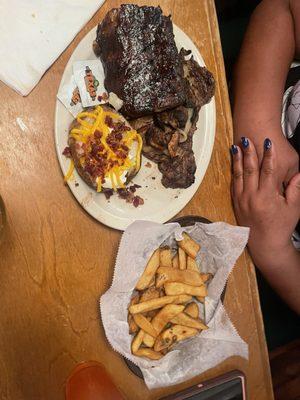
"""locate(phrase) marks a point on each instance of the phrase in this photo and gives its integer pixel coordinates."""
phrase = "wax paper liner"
(221, 245)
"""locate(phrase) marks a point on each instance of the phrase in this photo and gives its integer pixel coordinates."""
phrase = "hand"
(259, 204)
(287, 157)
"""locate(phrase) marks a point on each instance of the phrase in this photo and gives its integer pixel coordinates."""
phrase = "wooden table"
(56, 260)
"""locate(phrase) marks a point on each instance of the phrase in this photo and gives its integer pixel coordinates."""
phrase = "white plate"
(161, 204)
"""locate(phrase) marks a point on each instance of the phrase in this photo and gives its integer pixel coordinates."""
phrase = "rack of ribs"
(140, 59)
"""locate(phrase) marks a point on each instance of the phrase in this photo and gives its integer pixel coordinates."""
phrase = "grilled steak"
(179, 172)
(161, 144)
(140, 59)
(200, 82)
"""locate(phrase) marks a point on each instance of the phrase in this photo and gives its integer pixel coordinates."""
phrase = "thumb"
(293, 191)
(290, 174)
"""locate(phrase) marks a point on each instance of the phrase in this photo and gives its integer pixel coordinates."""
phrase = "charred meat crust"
(200, 85)
(140, 59)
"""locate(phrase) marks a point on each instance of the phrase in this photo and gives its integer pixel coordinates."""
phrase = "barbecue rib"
(140, 59)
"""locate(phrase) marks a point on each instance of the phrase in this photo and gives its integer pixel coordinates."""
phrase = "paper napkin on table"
(33, 33)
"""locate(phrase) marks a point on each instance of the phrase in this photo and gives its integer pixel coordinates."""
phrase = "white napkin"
(33, 33)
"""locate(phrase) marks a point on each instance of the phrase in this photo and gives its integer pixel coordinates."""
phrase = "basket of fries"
(163, 311)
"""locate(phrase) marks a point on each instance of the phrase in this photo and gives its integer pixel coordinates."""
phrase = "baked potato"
(105, 149)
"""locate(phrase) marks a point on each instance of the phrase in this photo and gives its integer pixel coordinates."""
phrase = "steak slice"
(140, 59)
(162, 145)
(200, 86)
(179, 172)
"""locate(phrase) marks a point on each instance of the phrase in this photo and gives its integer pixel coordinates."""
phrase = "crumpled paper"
(221, 245)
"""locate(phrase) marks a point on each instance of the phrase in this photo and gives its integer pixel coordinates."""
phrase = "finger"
(237, 171)
(250, 167)
(268, 172)
(291, 172)
(292, 193)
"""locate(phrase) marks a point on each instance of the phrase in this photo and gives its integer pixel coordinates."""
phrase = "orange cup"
(90, 381)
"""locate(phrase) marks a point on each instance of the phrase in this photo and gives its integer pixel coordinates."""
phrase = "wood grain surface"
(56, 260)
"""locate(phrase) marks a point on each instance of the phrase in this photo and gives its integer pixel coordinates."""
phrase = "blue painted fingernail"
(267, 144)
(234, 149)
(245, 142)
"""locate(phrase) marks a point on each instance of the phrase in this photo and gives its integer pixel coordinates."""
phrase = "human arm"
(269, 47)
(271, 217)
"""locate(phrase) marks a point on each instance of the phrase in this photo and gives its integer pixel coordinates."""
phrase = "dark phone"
(230, 386)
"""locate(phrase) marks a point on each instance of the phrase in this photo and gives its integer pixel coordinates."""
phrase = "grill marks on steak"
(141, 63)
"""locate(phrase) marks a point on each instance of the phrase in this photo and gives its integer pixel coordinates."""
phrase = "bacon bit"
(148, 165)
(137, 201)
(99, 98)
(109, 121)
(125, 194)
(67, 152)
(122, 193)
(121, 154)
(98, 134)
(129, 198)
(120, 127)
(104, 96)
(107, 193)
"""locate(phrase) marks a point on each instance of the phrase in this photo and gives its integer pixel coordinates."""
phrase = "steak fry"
(166, 274)
(173, 335)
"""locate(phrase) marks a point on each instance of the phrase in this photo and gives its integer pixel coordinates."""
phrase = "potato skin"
(83, 174)
(87, 178)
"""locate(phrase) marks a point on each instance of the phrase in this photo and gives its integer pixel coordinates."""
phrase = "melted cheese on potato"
(114, 176)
